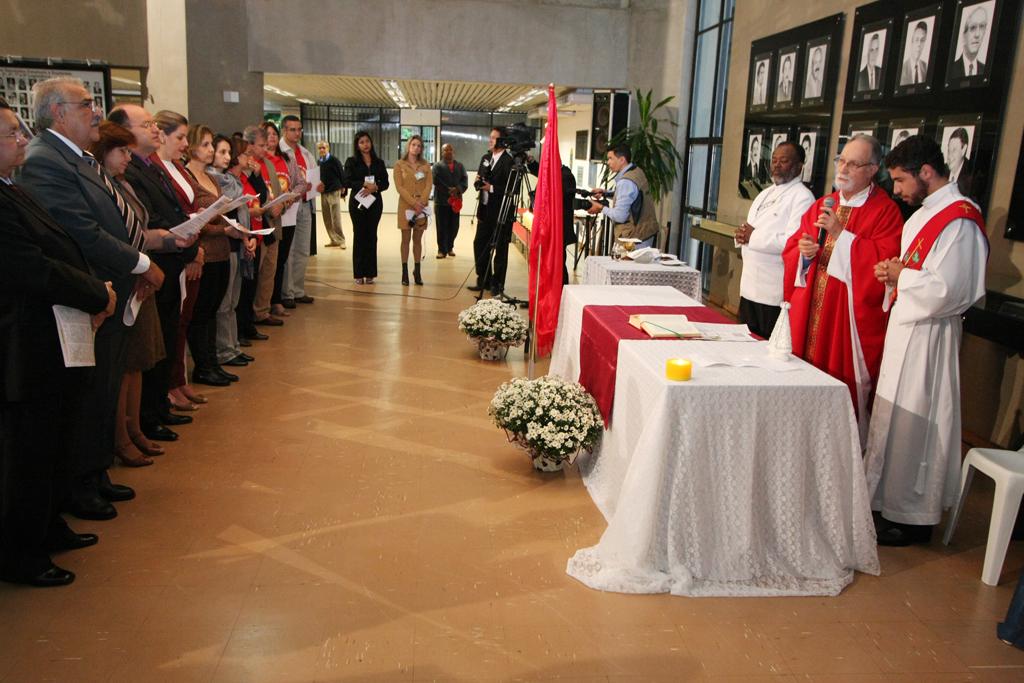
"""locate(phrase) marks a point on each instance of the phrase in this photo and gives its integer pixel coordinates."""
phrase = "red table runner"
(603, 328)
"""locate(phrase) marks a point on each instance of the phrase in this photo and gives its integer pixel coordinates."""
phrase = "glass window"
(697, 176)
(703, 84)
(709, 13)
(716, 170)
(468, 142)
(721, 87)
(466, 118)
(730, 5)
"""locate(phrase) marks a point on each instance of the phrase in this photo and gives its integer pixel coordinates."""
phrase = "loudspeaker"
(611, 114)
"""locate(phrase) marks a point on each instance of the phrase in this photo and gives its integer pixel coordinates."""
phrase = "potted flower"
(493, 326)
(551, 418)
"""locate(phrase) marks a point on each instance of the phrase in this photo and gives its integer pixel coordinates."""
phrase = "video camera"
(584, 204)
(518, 139)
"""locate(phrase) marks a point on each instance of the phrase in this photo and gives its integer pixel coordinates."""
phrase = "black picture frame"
(919, 42)
(901, 129)
(778, 135)
(758, 94)
(873, 128)
(959, 136)
(753, 173)
(815, 76)
(871, 60)
(787, 56)
(967, 12)
(814, 140)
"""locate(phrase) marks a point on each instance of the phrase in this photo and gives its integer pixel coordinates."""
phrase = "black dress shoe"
(52, 577)
(92, 507)
(475, 288)
(256, 335)
(304, 299)
(242, 341)
(246, 357)
(117, 493)
(288, 303)
(236, 362)
(225, 374)
(897, 535)
(210, 378)
(160, 433)
(269, 320)
(71, 541)
(173, 419)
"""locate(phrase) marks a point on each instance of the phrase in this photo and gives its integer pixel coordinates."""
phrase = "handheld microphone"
(822, 233)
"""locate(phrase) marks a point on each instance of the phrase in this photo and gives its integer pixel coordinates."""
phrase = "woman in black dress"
(366, 175)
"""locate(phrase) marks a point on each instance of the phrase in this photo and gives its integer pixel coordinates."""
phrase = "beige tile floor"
(347, 513)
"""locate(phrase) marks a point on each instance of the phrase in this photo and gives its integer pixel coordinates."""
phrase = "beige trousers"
(265, 280)
(330, 202)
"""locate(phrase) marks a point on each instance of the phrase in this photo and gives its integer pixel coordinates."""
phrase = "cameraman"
(491, 181)
(632, 213)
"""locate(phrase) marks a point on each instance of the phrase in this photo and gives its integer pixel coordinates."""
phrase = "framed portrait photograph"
(754, 163)
(816, 56)
(760, 81)
(972, 44)
(779, 135)
(808, 139)
(788, 60)
(872, 59)
(958, 135)
(917, 56)
(900, 130)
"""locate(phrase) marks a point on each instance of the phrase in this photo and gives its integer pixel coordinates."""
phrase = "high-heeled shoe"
(145, 445)
(186, 406)
(405, 274)
(124, 454)
(416, 273)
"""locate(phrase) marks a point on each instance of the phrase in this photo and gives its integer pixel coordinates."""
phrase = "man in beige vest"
(632, 211)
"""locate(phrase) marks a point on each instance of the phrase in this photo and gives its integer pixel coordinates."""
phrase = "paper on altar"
(666, 325)
(365, 199)
(77, 338)
(131, 310)
(246, 231)
(194, 224)
(757, 359)
(280, 199)
(724, 332)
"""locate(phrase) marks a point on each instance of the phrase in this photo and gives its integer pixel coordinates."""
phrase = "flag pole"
(533, 318)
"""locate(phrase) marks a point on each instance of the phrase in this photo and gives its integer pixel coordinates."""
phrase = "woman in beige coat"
(413, 180)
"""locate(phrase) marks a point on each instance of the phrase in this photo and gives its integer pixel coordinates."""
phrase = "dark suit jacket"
(497, 175)
(332, 175)
(862, 78)
(165, 211)
(74, 194)
(960, 69)
(40, 265)
(444, 178)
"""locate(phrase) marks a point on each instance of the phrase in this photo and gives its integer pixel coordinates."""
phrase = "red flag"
(546, 237)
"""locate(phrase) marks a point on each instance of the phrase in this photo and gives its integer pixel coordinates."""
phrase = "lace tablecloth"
(565, 355)
(604, 270)
(742, 481)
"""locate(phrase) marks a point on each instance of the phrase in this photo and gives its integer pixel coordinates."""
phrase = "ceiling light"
(394, 91)
(305, 101)
(278, 91)
(521, 100)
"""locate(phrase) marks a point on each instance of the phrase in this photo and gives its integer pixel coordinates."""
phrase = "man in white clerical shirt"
(913, 453)
(772, 218)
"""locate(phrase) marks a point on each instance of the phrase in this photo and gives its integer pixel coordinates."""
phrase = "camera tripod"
(516, 189)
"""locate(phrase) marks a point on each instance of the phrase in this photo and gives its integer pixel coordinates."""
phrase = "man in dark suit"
(492, 181)
(868, 77)
(40, 266)
(915, 68)
(450, 183)
(969, 63)
(76, 191)
(165, 212)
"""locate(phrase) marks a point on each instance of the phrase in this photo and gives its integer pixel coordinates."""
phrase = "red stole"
(255, 222)
(878, 226)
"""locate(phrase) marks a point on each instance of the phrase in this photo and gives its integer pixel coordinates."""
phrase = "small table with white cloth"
(604, 270)
(742, 481)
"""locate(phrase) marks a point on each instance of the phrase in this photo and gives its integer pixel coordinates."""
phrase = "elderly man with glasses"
(73, 187)
(837, 319)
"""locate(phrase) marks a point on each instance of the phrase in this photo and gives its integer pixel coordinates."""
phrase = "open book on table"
(676, 326)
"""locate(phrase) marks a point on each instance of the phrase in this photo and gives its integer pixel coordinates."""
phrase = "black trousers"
(364, 239)
(760, 318)
(285, 248)
(35, 443)
(202, 330)
(447, 227)
(157, 380)
(495, 281)
(243, 312)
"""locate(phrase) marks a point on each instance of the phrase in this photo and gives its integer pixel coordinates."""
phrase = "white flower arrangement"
(548, 416)
(492, 319)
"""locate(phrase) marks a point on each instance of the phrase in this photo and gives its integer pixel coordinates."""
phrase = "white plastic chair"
(1006, 468)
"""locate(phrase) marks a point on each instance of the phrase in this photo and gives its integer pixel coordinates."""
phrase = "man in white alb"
(913, 453)
(772, 218)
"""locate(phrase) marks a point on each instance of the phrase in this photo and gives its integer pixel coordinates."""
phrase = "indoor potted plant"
(493, 326)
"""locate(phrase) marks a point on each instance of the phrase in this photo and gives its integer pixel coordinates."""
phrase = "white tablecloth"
(565, 354)
(742, 481)
(604, 270)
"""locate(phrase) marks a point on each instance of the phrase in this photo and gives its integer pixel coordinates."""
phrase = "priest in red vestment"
(836, 317)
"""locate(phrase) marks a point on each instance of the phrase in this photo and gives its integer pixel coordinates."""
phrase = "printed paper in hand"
(365, 199)
(279, 200)
(313, 178)
(131, 310)
(193, 225)
(235, 203)
(246, 231)
(76, 336)
(181, 288)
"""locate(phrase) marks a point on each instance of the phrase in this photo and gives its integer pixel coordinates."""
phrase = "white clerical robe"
(913, 452)
(775, 215)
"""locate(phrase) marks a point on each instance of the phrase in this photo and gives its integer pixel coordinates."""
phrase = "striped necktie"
(131, 220)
